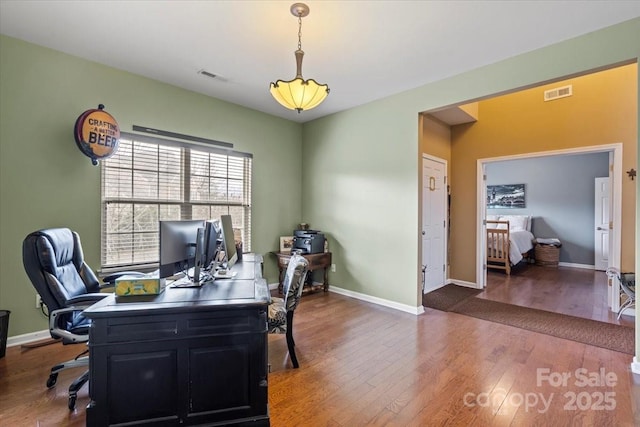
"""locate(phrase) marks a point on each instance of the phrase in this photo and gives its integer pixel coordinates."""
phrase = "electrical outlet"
(333, 268)
(38, 301)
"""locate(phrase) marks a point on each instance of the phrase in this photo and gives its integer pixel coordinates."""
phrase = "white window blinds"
(151, 179)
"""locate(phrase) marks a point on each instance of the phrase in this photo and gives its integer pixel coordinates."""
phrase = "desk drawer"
(322, 260)
(319, 260)
(188, 325)
(283, 260)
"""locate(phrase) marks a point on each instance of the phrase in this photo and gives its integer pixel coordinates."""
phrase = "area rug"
(587, 331)
(447, 297)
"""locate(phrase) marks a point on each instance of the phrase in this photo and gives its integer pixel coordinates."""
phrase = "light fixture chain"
(299, 32)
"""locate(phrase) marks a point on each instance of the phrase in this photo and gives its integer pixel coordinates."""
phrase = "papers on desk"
(185, 282)
(225, 275)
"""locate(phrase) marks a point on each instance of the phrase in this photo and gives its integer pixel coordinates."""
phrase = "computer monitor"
(229, 241)
(212, 242)
(179, 247)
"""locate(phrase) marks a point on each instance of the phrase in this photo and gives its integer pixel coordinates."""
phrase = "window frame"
(184, 201)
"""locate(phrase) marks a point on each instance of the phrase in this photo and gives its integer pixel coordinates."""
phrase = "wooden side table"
(316, 262)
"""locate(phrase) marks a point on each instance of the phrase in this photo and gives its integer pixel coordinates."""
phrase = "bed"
(509, 240)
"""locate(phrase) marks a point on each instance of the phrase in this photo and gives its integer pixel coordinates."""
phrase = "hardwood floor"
(366, 365)
(573, 291)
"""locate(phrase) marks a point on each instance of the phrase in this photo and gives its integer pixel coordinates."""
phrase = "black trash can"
(4, 331)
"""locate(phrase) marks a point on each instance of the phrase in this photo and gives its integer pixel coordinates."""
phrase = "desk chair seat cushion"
(78, 324)
(277, 321)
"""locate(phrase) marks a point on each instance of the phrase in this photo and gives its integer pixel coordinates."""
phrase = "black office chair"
(281, 310)
(54, 261)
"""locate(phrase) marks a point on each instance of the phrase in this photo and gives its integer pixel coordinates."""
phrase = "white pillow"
(516, 222)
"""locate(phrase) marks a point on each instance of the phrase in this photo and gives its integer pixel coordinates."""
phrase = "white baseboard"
(574, 265)
(379, 301)
(635, 365)
(273, 286)
(27, 338)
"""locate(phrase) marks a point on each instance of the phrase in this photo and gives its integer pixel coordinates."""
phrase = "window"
(151, 179)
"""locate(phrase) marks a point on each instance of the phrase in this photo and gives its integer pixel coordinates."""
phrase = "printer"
(308, 241)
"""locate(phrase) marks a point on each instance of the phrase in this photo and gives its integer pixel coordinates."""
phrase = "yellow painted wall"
(435, 138)
(602, 110)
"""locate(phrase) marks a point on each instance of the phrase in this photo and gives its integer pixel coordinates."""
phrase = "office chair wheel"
(72, 402)
(51, 381)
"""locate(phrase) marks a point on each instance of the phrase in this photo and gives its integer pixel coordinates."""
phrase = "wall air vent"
(557, 93)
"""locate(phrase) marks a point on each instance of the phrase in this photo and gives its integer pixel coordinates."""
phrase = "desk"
(187, 356)
(316, 261)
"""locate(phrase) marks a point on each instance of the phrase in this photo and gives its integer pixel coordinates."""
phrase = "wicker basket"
(547, 255)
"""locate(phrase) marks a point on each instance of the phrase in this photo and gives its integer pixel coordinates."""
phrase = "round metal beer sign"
(97, 134)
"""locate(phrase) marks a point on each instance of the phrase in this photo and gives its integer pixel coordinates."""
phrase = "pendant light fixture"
(299, 94)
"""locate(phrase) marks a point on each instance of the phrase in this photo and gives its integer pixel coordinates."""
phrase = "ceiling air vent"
(557, 93)
(207, 73)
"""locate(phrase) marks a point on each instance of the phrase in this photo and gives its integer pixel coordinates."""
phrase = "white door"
(434, 222)
(601, 224)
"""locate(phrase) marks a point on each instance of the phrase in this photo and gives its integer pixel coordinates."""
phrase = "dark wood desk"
(316, 262)
(188, 356)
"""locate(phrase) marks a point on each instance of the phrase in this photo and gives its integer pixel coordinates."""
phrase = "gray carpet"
(592, 332)
(447, 297)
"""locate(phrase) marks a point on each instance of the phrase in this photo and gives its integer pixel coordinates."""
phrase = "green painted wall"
(361, 166)
(45, 181)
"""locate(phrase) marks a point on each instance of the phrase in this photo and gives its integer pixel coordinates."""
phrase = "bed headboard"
(516, 222)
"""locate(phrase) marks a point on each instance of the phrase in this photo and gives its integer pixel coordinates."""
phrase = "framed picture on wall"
(286, 243)
(506, 196)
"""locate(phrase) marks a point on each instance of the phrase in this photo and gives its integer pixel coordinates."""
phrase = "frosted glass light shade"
(299, 94)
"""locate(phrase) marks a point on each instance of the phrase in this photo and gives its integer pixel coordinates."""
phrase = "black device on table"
(308, 241)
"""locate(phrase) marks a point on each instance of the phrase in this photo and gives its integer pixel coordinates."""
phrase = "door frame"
(445, 256)
(615, 175)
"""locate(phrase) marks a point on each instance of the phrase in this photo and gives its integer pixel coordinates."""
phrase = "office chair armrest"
(56, 317)
(80, 302)
(110, 280)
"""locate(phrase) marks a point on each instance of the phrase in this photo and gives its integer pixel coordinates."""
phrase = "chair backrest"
(628, 284)
(294, 281)
(54, 262)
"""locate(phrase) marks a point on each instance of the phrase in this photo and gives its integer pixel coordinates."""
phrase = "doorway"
(614, 208)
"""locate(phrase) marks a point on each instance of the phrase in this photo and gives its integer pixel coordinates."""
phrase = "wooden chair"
(281, 310)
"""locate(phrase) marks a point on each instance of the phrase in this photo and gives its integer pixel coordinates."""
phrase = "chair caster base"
(72, 402)
(51, 381)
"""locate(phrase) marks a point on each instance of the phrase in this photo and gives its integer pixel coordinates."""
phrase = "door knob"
(423, 233)
(600, 229)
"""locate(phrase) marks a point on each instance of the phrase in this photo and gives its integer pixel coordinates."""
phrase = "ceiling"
(364, 50)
